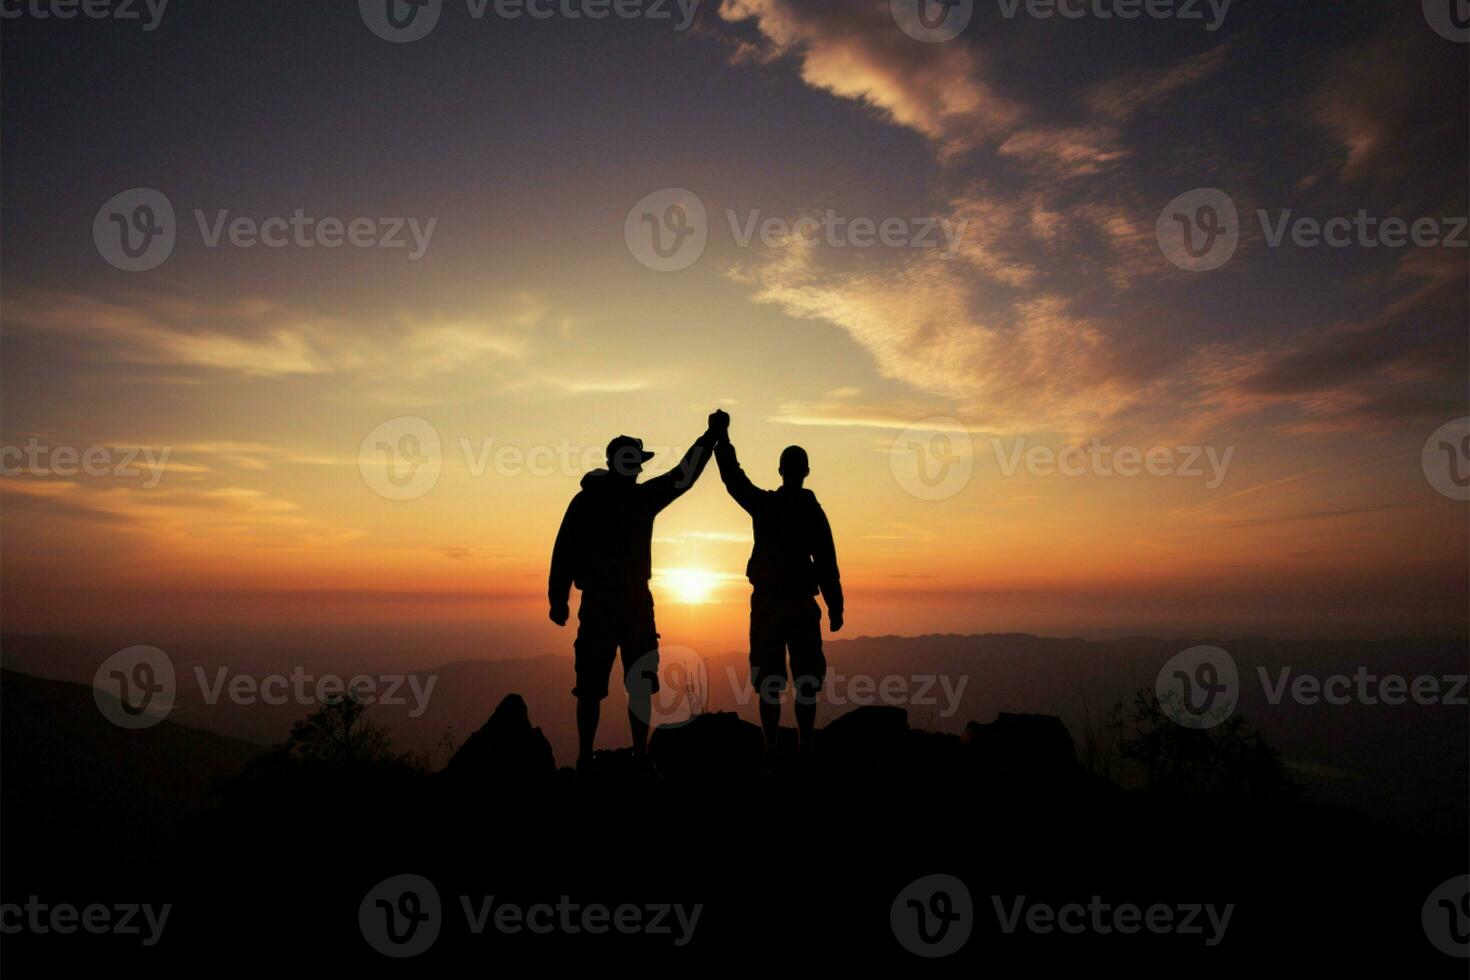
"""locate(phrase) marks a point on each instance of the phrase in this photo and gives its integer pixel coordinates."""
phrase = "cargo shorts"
(609, 622)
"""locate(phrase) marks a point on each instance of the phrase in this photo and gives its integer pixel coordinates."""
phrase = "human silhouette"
(604, 547)
(793, 560)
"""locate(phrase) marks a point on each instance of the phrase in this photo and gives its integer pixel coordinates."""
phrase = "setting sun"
(690, 586)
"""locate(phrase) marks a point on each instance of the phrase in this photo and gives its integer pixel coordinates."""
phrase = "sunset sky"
(1053, 319)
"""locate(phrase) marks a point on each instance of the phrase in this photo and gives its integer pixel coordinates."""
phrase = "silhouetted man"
(604, 547)
(792, 561)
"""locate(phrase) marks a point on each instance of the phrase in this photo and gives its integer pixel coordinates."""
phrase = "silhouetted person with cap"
(793, 559)
(604, 546)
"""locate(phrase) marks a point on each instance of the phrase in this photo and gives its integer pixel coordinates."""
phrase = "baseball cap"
(622, 447)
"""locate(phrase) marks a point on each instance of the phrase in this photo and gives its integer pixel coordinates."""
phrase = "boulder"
(506, 749)
(711, 747)
(1036, 746)
(869, 730)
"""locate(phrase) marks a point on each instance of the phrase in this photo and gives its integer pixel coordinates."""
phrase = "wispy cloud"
(1127, 95)
(1046, 313)
(409, 358)
(855, 52)
(182, 515)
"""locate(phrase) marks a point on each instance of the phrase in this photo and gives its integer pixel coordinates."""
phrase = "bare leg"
(589, 710)
(806, 720)
(640, 708)
(771, 719)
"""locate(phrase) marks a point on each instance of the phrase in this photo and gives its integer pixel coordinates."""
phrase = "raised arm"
(736, 482)
(668, 487)
(824, 558)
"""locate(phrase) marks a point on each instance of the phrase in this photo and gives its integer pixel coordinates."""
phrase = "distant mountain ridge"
(1406, 764)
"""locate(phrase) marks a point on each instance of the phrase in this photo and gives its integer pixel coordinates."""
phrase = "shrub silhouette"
(1229, 758)
(334, 752)
(337, 733)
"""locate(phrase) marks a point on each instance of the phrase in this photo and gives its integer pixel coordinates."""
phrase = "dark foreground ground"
(810, 864)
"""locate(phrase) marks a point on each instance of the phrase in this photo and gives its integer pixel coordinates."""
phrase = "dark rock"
(616, 768)
(1034, 746)
(869, 730)
(506, 749)
(712, 747)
